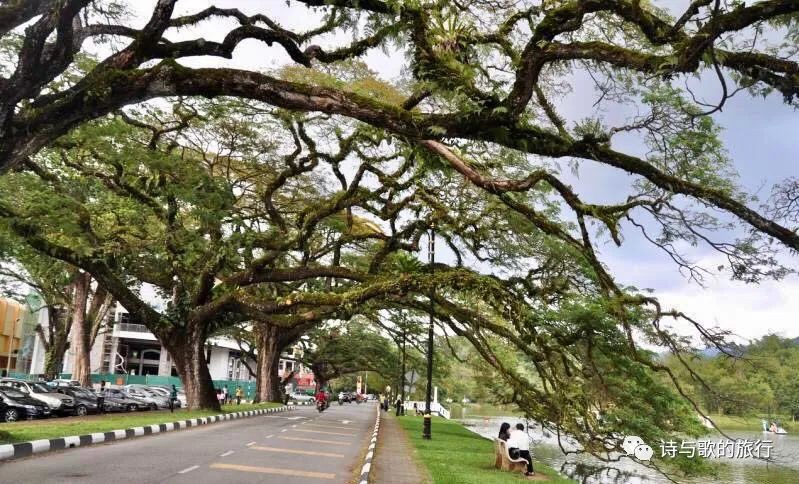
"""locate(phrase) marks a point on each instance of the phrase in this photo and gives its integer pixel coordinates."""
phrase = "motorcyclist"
(321, 397)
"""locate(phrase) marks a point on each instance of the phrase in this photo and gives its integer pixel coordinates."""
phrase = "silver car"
(58, 403)
(167, 393)
(151, 398)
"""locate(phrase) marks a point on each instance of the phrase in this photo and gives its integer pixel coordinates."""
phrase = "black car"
(85, 400)
(15, 405)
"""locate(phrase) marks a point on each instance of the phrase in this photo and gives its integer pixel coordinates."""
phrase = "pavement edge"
(26, 449)
(367, 462)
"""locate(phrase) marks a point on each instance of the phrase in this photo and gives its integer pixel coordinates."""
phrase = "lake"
(783, 466)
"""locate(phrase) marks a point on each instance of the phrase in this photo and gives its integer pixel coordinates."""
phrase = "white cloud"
(749, 311)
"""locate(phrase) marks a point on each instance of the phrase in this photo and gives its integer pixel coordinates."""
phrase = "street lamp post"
(402, 372)
(427, 429)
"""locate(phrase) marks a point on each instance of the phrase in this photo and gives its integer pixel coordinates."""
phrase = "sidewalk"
(395, 462)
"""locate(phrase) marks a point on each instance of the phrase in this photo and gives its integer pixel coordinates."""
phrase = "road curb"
(367, 462)
(26, 449)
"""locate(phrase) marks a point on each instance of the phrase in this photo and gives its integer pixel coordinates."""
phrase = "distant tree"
(74, 305)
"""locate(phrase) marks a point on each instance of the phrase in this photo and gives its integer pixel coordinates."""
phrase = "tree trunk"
(56, 345)
(187, 348)
(54, 358)
(267, 379)
(80, 335)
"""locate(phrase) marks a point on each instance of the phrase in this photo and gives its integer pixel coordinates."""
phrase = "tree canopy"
(302, 193)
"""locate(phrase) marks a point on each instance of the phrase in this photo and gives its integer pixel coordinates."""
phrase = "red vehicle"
(322, 401)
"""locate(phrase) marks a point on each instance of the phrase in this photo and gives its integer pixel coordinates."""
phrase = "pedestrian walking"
(173, 395)
(398, 403)
(101, 397)
(226, 394)
(239, 394)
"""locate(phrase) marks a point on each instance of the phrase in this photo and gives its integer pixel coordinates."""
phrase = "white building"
(130, 348)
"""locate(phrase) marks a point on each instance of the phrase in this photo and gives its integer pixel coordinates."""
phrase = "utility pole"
(402, 378)
(427, 429)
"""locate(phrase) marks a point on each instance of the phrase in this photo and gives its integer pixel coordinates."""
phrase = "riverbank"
(27, 430)
(475, 410)
(456, 455)
(751, 423)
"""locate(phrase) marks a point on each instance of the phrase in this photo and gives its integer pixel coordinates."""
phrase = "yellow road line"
(322, 432)
(273, 470)
(300, 439)
(328, 426)
(294, 451)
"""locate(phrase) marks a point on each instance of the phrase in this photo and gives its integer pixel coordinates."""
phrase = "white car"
(301, 397)
(58, 403)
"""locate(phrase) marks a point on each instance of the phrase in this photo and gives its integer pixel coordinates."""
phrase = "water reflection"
(783, 466)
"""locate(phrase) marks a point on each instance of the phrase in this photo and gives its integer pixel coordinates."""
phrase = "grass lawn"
(458, 455)
(750, 423)
(24, 431)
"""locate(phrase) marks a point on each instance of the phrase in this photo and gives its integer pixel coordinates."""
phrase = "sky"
(760, 135)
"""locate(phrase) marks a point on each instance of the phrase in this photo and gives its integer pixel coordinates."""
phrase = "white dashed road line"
(188, 469)
(226, 453)
(251, 443)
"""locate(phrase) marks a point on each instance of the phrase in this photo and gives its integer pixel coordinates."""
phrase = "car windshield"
(81, 392)
(10, 392)
(39, 388)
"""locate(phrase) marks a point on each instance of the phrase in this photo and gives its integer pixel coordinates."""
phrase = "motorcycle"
(320, 406)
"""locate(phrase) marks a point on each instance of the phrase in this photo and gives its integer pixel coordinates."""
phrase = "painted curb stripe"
(367, 462)
(25, 449)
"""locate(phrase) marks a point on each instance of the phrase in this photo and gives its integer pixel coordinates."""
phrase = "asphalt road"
(300, 446)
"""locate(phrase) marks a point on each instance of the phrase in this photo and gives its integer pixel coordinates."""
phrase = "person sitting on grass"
(519, 447)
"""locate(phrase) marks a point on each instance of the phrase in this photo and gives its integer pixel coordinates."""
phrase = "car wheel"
(153, 406)
(11, 415)
(81, 411)
(132, 407)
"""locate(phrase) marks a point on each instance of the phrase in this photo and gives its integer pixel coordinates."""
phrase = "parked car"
(62, 383)
(15, 405)
(152, 399)
(167, 393)
(85, 400)
(121, 397)
(58, 403)
(301, 397)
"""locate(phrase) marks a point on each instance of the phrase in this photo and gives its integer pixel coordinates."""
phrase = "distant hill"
(734, 349)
